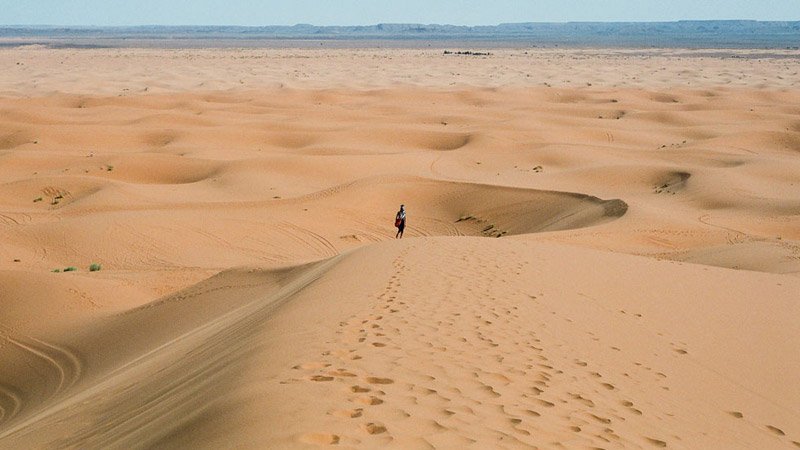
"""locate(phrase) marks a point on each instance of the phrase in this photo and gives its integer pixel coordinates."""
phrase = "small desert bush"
(95, 267)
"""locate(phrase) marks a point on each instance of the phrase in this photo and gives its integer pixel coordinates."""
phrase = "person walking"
(400, 222)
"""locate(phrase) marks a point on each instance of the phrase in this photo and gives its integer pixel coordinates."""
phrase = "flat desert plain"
(602, 251)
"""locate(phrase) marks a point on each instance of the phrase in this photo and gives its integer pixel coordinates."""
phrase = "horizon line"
(396, 23)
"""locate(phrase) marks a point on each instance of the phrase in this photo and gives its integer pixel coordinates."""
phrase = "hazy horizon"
(344, 25)
(88, 13)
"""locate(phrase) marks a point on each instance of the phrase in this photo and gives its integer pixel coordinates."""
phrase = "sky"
(368, 12)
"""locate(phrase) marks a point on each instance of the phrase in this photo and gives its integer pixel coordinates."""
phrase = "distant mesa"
(468, 53)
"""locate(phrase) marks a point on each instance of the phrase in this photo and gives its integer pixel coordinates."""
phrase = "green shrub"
(70, 269)
(95, 267)
(56, 270)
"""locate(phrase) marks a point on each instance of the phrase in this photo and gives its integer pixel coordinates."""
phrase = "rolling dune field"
(602, 251)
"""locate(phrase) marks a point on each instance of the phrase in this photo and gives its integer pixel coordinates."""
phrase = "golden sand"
(602, 249)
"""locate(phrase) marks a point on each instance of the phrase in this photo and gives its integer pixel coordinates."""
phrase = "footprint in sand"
(373, 428)
(584, 400)
(347, 413)
(489, 391)
(311, 366)
(776, 430)
(320, 438)
(341, 373)
(656, 442)
(600, 419)
(321, 378)
(377, 380)
(368, 400)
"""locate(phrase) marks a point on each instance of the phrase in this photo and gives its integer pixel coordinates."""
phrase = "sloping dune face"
(593, 267)
(437, 344)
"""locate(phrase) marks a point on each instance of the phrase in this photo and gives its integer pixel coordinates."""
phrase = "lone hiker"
(400, 221)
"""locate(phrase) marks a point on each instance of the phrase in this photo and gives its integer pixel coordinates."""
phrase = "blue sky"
(364, 12)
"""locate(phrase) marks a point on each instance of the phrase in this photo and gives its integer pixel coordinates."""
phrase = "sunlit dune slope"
(430, 342)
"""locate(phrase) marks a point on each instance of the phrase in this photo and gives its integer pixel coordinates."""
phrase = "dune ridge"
(604, 254)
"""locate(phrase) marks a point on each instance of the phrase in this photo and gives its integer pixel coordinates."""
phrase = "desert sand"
(602, 251)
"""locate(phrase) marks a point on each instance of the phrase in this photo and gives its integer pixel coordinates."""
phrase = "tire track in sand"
(10, 403)
(63, 362)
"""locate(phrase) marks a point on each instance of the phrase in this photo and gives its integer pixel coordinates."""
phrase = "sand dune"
(602, 249)
(510, 357)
